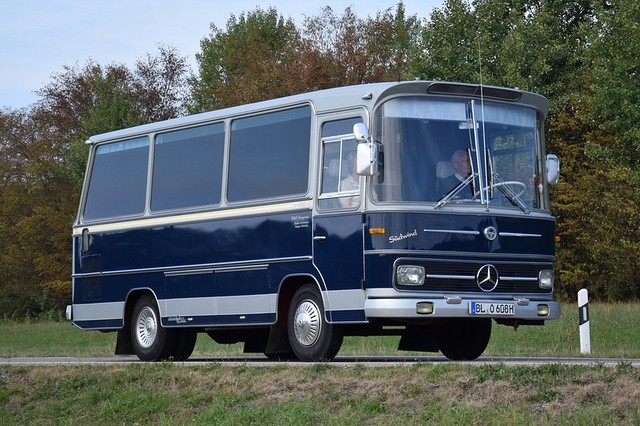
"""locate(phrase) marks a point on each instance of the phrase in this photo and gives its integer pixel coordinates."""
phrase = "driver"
(461, 169)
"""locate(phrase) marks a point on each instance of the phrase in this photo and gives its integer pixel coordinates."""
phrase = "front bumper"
(458, 306)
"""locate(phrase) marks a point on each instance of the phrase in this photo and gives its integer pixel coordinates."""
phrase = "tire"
(185, 342)
(311, 337)
(151, 341)
(463, 339)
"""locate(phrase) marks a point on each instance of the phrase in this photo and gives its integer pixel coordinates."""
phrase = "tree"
(160, 86)
(344, 50)
(392, 40)
(616, 86)
(36, 207)
(335, 50)
(448, 45)
(42, 163)
(257, 58)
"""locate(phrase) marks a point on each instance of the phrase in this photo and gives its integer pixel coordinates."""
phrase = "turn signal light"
(377, 231)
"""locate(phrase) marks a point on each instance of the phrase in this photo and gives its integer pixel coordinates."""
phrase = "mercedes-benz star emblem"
(490, 233)
(487, 278)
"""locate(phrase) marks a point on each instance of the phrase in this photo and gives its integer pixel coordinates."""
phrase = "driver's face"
(461, 166)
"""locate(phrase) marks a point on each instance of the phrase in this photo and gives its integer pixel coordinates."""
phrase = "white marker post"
(583, 311)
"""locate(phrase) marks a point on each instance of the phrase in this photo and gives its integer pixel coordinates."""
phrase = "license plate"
(501, 309)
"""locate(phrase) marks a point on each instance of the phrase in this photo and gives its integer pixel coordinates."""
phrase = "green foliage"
(330, 50)
(228, 78)
(42, 164)
(581, 54)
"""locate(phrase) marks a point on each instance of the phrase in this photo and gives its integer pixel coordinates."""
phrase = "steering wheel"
(518, 192)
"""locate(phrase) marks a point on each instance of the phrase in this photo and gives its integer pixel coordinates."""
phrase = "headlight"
(410, 275)
(545, 279)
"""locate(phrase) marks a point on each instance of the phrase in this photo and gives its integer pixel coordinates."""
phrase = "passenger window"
(269, 155)
(340, 186)
(187, 168)
(118, 183)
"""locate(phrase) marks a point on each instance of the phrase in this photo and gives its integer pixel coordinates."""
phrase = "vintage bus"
(418, 209)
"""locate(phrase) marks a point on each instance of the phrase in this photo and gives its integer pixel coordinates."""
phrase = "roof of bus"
(333, 99)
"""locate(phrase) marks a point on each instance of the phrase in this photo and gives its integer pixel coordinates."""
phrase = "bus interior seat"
(444, 169)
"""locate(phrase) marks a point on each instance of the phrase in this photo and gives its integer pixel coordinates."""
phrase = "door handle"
(319, 238)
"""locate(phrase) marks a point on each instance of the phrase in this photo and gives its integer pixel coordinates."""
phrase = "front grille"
(460, 275)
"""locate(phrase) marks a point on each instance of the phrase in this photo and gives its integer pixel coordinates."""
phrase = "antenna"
(482, 153)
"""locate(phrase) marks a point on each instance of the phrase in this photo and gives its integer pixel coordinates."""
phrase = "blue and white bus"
(418, 209)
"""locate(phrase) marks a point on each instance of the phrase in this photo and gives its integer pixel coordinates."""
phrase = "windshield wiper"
(505, 189)
(503, 186)
(449, 195)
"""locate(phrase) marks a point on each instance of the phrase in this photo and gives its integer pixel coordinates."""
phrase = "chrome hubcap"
(146, 327)
(307, 323)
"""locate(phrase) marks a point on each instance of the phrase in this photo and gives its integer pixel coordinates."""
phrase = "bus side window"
(187, 168)
(269, 155)
(115, 194)
(339, 186)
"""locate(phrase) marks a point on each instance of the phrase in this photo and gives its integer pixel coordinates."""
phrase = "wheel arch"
(123, 341)
(289, 285)
(130, 303)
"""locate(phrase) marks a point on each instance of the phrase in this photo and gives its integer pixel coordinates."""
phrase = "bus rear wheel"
(151, 341)
(185, 342)
(311, 337)
(463, 339)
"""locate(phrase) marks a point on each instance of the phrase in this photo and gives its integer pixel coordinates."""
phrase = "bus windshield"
(449, 151)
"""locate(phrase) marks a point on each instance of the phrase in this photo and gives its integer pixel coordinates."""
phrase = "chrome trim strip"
(451, 277)
(392, 293)
(242, 268)
(519, 279)
(452, 231)
(471, 277)
(537, 258)
(188, 272)
(258, 263)
(519, 234)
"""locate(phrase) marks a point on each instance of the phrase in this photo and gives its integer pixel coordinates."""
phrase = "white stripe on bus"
(150, 222)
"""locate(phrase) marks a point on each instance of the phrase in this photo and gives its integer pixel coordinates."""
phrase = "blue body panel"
(205, 260)
(215, 260)
(338, 255)
(455, 244)
(431, 233)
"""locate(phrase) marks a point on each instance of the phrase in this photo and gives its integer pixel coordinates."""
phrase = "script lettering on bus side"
(396, 238)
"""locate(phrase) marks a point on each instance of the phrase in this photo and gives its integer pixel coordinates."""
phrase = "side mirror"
(367, 153)
(553, 169)
(361, 132)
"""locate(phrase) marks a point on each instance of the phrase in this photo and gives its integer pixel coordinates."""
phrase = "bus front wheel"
(463, 339)
(311, 337)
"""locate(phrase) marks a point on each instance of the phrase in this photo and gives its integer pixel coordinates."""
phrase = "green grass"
(447, 394)
(614, 334)
(328, 394)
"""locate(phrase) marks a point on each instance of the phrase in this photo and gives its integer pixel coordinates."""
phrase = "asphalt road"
(346, 361)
